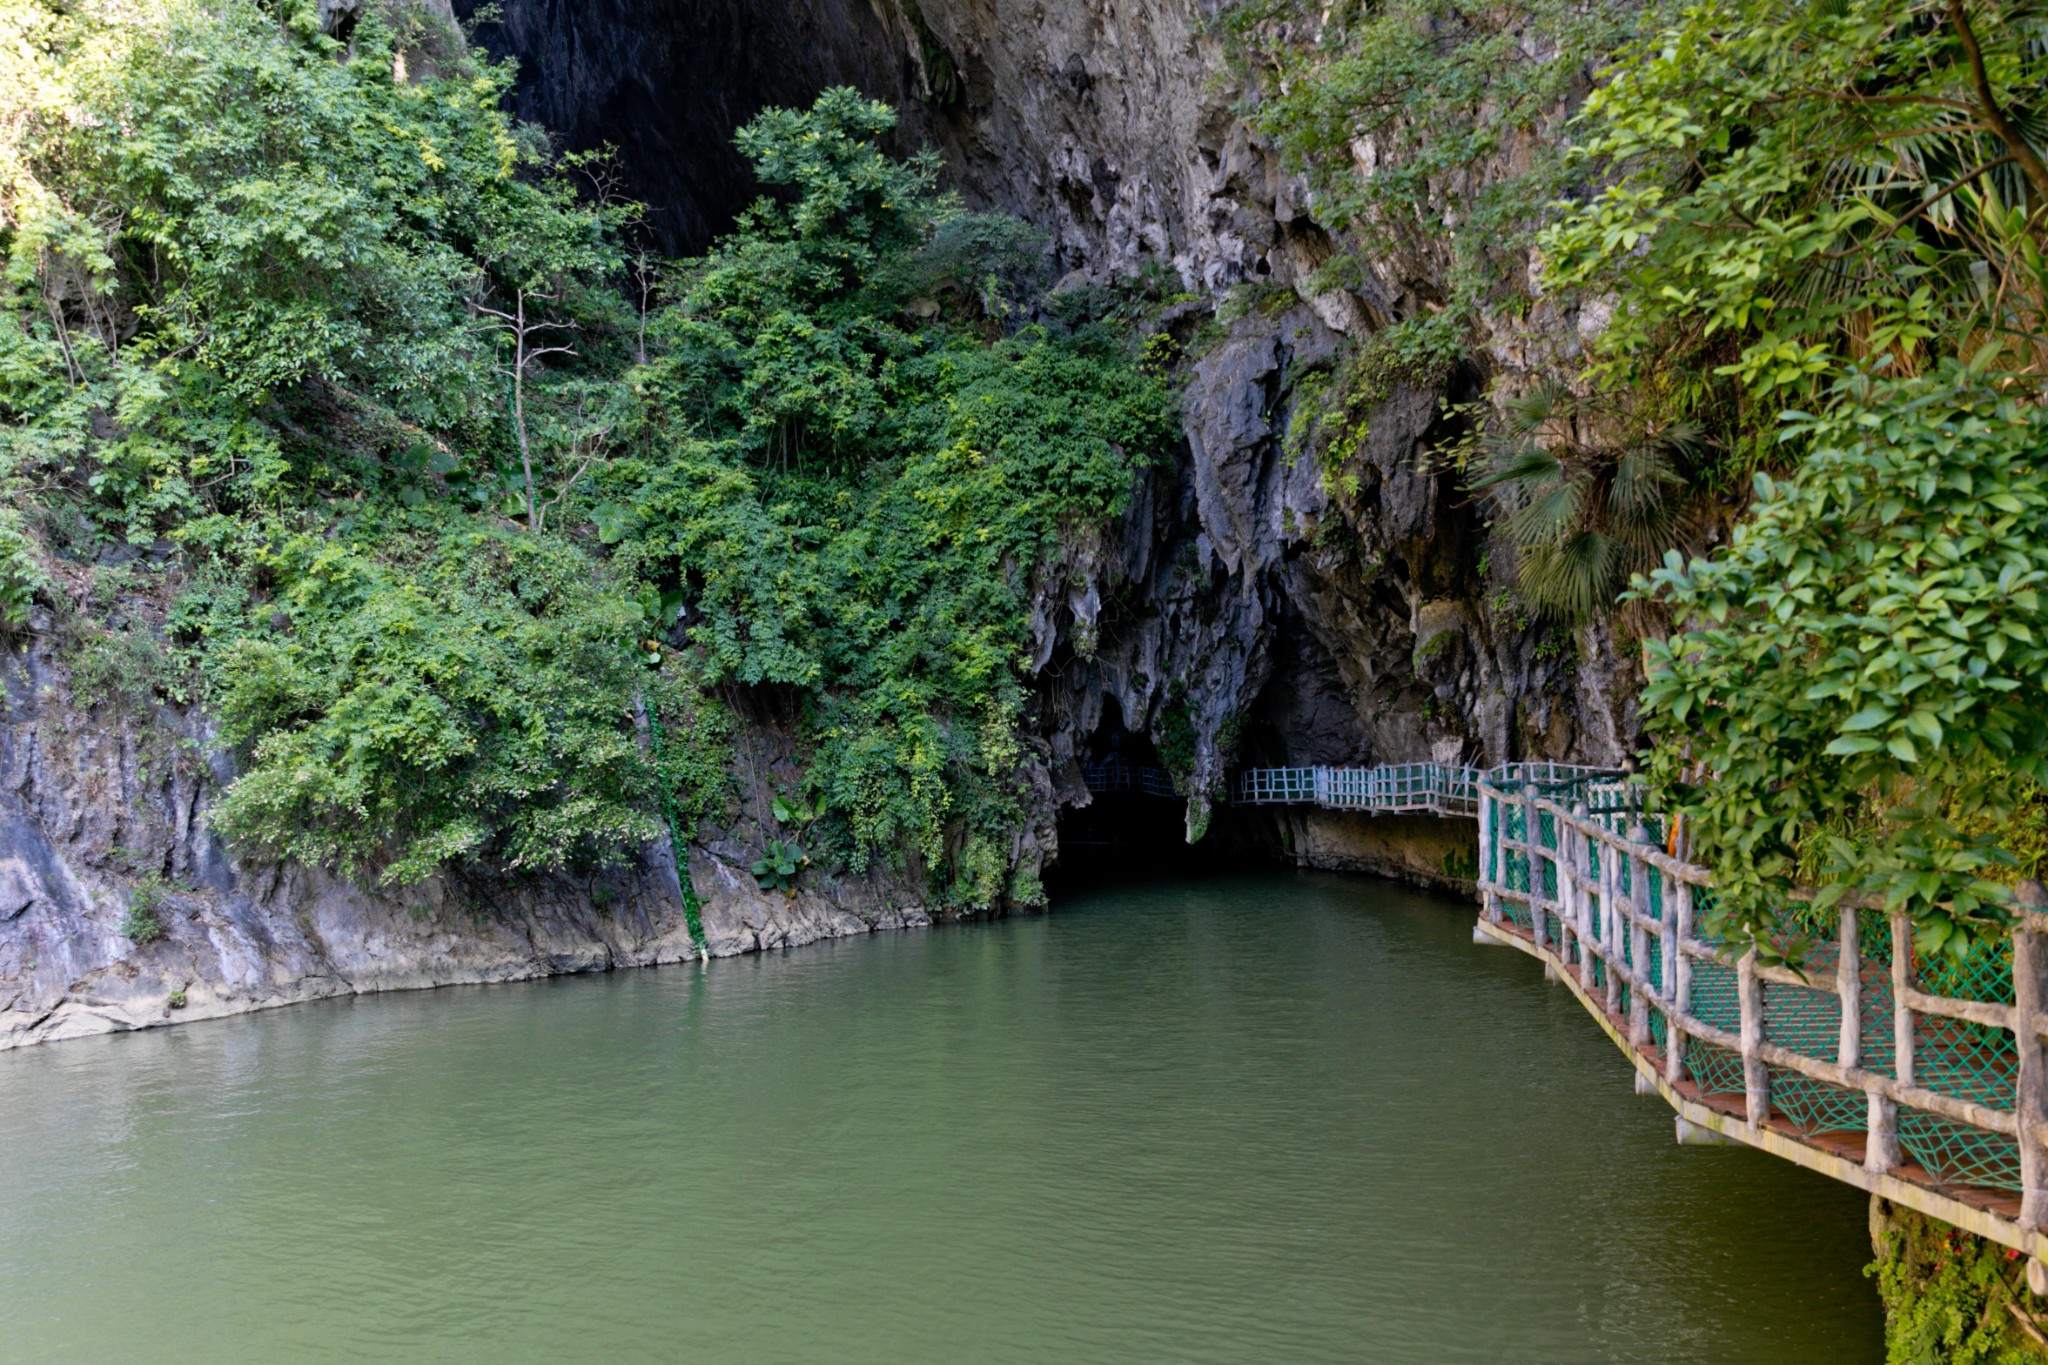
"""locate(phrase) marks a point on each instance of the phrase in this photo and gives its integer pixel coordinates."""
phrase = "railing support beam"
(1677, 979)
(2030, 995)
(1639, 944)
(1756, 1076)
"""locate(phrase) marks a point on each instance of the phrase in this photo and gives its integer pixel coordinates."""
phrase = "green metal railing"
(1437, 788)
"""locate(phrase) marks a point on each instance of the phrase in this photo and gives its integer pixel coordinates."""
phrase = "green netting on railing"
(1957, 1154)
(1717, 1002)
(1815, 1107)
(1808, 1020)
(1966, 1061)
(1715, 1070)
(1970, 1062)
(1514, 862)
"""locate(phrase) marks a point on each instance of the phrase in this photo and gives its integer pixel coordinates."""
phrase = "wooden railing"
(1438, 788)
(1926, 1082)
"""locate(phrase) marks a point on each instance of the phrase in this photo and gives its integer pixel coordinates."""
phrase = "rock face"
(1251, 607)
(1243, 600)
(102, 817)
(667, 82)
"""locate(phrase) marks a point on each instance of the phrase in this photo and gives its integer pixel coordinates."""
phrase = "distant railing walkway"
(1115, 775)
(1437, 788)
(1921, 1079)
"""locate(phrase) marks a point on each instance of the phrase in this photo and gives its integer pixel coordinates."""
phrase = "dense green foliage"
(1848, 197)
(1824, 185)
(1952, 1297)
(1428, 129)
(1433, 133)
(1874, 641)
(1816, 232)
(464, 549)
(437, 686)
(864, 499)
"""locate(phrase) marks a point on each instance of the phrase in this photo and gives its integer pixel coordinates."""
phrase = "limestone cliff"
(103, 805)
(1244, 601)
(1246, 609)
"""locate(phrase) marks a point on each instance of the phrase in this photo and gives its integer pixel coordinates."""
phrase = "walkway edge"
(1915, 1197)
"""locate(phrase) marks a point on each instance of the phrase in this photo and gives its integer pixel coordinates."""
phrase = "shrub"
(142, 924)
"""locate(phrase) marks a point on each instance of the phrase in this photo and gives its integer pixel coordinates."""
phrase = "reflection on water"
(1247, 1119)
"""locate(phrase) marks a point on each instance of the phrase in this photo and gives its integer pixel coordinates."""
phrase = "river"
(1263, 1118)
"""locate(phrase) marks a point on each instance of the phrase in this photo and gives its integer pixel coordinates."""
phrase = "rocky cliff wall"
(1244, 601)
(1250, 607)
(103, 808)
(1287, 613)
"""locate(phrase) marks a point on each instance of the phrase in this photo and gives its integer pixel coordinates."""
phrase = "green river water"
(1246, 1119)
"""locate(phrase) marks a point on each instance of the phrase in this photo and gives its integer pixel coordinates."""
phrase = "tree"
(1867, 664)
(1587, 496)
(1842, 204)
(1820, 185)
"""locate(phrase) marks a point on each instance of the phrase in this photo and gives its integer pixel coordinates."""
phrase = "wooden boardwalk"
(1923, 1082)
(1390, 788)
(1393, 788)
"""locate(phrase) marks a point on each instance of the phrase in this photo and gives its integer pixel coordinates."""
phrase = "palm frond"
(1520, 468)
(1571, 579)
(1550, 515)
(1637, 495)
(1532, 411)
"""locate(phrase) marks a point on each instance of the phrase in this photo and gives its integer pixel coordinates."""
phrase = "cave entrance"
(1135, 822)
(1133, 814)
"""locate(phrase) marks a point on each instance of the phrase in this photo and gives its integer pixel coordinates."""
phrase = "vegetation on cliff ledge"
(1804, 250)
(336, 401)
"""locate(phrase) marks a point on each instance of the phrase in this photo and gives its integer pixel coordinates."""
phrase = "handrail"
(1115, 775)
(1940, 1073)
(1436, 788)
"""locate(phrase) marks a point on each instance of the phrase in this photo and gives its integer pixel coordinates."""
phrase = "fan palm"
(1584, 503)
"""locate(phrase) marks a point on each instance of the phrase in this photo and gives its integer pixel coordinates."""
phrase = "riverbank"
(120, 909)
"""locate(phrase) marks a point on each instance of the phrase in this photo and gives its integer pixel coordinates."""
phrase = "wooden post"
(1902, 981)
(1596, 907)
(1566, 905)
(1677, 980)
(1639, 945)
(1611, 922)
(1756, 1077)
(1489, 863)
(1531, 846)
(2030, 992)
(1881, 1143)
(1849, 993)
(1881, 1136)
(1596, 922)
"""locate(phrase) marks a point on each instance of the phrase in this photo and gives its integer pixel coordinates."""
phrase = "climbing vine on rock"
(1953, 1298)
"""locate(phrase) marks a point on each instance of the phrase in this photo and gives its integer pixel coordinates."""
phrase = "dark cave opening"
(666, 83)
(1136, 827)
